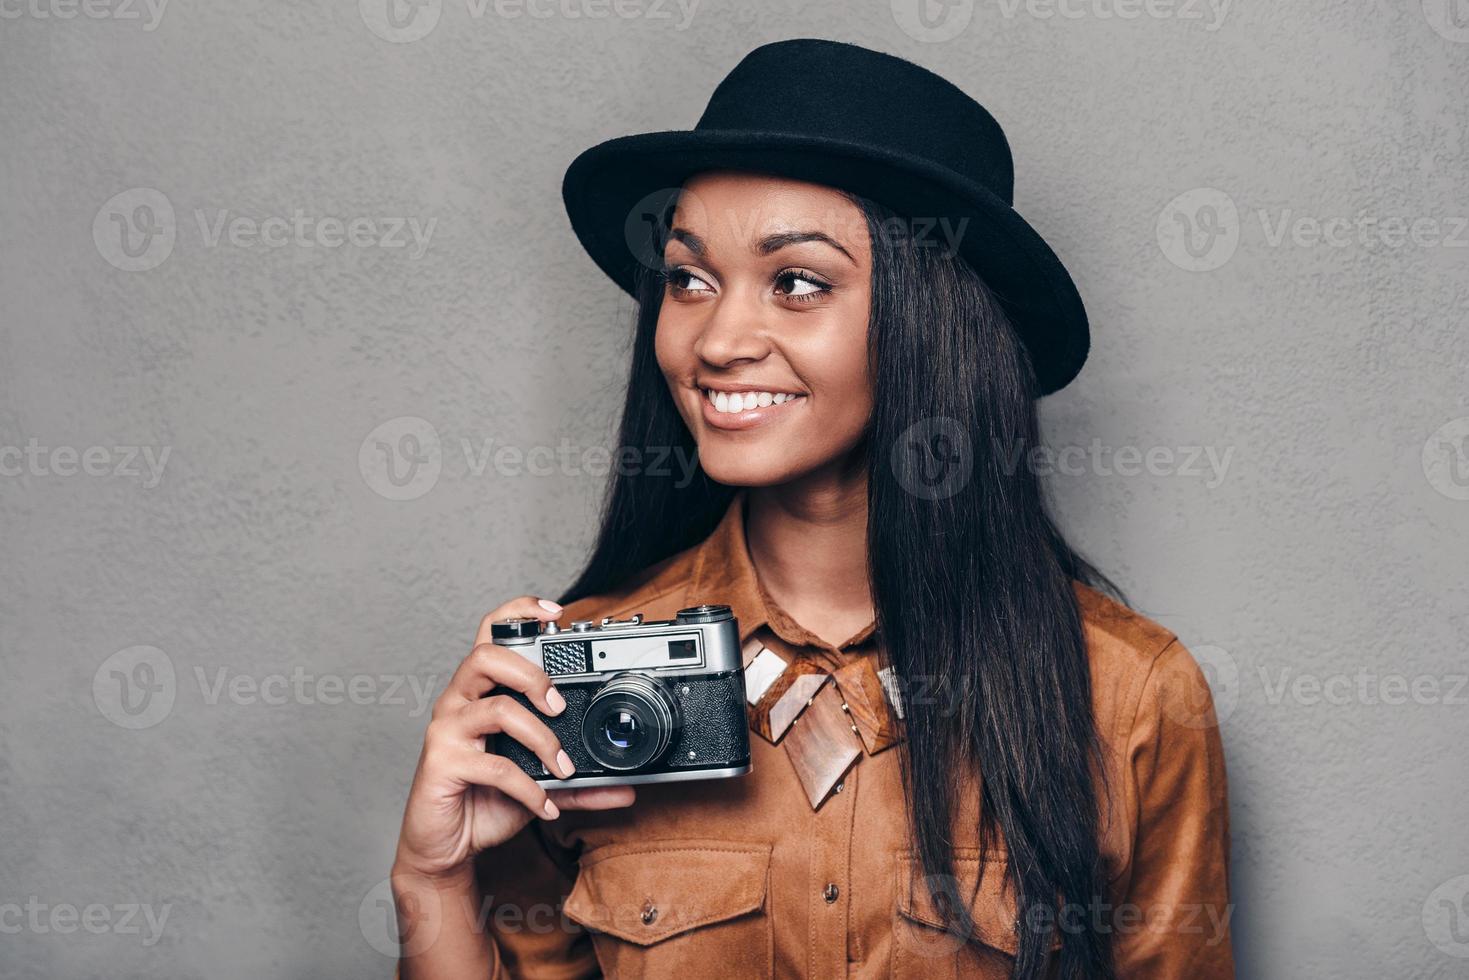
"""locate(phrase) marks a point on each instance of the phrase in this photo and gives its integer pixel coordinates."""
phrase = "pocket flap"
(645, 893)
(992, 903)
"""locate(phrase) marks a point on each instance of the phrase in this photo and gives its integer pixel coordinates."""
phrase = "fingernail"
(563, 762)
(549, 606)
(551, 811)
(556, 701)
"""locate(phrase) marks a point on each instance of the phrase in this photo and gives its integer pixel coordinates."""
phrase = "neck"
(808, 542)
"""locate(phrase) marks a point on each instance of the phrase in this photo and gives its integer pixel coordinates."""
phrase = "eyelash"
(669, 274)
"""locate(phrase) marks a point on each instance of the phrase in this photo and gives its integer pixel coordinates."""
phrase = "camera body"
(646, 702)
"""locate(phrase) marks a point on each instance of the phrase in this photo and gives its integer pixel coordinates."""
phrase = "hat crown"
(828, 89)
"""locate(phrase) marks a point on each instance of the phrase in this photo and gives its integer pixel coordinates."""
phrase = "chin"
(739, 467)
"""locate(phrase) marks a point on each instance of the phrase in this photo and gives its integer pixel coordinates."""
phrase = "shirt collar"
(723, 572)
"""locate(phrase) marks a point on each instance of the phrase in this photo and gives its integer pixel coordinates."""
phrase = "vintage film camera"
(646, 702)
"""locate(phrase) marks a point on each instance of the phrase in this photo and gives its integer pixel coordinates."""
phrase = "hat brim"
(608, 186)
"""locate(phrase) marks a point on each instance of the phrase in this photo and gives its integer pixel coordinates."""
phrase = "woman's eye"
(684, 281)
(800, 285)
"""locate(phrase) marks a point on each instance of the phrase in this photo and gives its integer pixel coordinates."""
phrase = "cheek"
(674, 350)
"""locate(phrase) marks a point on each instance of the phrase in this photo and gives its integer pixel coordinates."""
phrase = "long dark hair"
(972, 582)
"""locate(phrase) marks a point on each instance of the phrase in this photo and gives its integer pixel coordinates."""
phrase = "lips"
(744, 409)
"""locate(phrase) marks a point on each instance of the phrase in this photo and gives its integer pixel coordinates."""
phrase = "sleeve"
(523, 885)
(1174, 921)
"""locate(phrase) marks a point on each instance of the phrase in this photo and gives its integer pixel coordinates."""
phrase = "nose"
(734, 332)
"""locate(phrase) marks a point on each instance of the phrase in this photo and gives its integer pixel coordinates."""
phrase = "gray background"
(1330, 550)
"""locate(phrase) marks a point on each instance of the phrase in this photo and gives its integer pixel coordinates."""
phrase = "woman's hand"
(465, 799)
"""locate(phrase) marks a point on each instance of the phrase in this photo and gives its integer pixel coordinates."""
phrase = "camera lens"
(622, 729)
(630, 722)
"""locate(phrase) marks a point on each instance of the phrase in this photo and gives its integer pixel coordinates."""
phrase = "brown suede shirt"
(746, 879)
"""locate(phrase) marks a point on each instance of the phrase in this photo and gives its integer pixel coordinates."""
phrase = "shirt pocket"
(923, 950)
(674, 907)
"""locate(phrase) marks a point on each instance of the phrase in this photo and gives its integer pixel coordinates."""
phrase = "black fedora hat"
(862, 121)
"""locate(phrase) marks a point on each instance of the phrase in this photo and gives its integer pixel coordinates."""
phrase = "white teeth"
(732, 402)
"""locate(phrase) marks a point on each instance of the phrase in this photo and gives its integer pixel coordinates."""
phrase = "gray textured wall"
(212, 659)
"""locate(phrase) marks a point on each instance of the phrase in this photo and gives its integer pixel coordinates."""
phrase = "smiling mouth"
(737, 402)
(739, 410)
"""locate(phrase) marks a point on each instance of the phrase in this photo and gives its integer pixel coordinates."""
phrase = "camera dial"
(705, 614)
(510, 630)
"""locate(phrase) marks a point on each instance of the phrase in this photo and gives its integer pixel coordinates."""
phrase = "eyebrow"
(766, 245)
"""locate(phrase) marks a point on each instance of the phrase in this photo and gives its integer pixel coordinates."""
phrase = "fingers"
(489, 666)
(501, 714)
(594, 797)
(525, 607)
(487, 769)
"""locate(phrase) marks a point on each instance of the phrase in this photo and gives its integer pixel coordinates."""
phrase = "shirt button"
(830, 894)
(650, 913)
(839, 786)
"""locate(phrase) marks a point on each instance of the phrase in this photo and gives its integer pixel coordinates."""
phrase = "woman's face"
(762, 334)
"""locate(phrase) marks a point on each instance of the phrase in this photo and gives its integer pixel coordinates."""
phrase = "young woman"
(989, 769)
